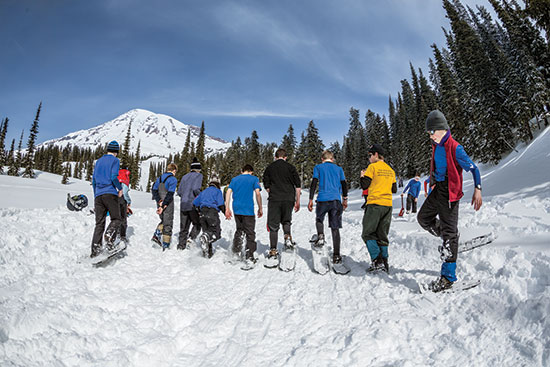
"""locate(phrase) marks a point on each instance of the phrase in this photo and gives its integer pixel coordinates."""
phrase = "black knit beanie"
(436, 121)
(196, 164)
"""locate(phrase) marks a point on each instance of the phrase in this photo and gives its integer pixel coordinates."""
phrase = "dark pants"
(411, 202)
(446, 227)
(166, 223)
(210, 223)
(103, 204)
(186, 219)
(278, 212)
(376, 226)
(246, 224)
(123, 216)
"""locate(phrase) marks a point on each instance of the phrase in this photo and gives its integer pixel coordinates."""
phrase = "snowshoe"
(319, 254)
(271, 259)
(249, 264)
(338, 265)
(110, 252)
(157, 238)
(287, 261)
(476, 242)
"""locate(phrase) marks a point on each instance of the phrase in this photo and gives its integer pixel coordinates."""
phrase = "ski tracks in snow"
(177, 308)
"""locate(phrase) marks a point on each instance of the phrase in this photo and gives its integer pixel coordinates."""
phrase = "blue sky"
(237, 65)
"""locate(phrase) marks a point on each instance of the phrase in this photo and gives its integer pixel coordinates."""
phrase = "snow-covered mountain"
(159, 134)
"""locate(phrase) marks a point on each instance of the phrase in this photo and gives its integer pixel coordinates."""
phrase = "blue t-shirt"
(330, 176)
(243, 187)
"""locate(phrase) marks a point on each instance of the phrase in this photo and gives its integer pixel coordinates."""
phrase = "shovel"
(402, 211)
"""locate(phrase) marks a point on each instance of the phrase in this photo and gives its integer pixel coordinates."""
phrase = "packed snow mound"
(176, 308)
(160, 135)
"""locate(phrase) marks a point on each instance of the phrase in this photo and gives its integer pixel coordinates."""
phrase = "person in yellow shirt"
(379, 179)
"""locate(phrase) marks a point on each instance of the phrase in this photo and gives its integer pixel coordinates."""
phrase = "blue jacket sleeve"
(407, 187)
(197, 201)
(467, 164)
(114, 174)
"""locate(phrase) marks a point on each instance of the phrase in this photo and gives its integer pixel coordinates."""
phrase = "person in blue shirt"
(439, 212)
(243, 188)
(413, 187)
(209, 203)
(332, 199)
(107, 190)
(163, 193)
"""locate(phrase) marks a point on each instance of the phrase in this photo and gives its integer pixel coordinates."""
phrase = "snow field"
(176, 308)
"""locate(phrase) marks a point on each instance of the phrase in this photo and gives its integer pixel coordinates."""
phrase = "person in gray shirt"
(188, 189)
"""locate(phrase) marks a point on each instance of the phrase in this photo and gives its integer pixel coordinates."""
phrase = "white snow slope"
(160, 135)
(173, 308)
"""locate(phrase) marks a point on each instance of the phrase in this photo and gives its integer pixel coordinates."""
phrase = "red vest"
(124, 176)
(454, 171)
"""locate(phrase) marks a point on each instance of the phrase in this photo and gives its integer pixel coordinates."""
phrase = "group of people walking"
(199, 210)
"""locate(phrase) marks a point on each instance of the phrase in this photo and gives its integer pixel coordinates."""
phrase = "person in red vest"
(448, 161)
(124, 201)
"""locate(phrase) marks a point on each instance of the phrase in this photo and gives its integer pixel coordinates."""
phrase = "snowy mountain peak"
(159, 134)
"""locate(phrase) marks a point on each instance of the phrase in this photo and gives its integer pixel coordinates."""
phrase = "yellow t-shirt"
(383, 177)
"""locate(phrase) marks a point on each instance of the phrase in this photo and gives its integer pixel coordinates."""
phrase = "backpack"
(76, 202)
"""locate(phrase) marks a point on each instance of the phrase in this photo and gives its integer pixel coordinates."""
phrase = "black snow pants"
(103, 204)
(446, 226)
(246, 225)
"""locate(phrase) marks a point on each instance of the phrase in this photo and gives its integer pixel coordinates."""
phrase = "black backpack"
(76, 202)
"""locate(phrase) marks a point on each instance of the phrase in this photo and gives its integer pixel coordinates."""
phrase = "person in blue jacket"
(413, 187)
(163, 193)
(209, 203)
(107, 190)
(439, 212)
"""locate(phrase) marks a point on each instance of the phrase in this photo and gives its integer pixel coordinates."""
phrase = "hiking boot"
(96, 250)
(336, 259)
(165, 246)
(378, 265)
(272, 254)
(440, 284)
(157, 236)
(289, 245)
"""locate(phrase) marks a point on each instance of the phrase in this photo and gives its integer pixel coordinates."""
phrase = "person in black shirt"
(282, 182)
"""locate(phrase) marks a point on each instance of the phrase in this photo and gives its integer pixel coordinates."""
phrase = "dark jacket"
(282, 179)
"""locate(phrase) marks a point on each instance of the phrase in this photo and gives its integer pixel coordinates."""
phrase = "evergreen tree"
(185, 158)
(288, 143)
(66, 174)
(252, 146)
(19, 155)
(337, 151)
(29, 158)
(199, 153)
(3, 156)
(311, 148)
(12, 169)
(89, 168)
(125, 153)
(135, 170)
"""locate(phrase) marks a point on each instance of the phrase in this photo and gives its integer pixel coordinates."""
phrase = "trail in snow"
(177, 308)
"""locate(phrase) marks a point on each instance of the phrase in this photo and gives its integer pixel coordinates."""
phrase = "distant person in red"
(125, 201)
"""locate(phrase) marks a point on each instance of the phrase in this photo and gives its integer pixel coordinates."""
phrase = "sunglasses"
(431, 132)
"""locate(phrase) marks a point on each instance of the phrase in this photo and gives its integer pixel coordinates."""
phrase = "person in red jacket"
(439, 213)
